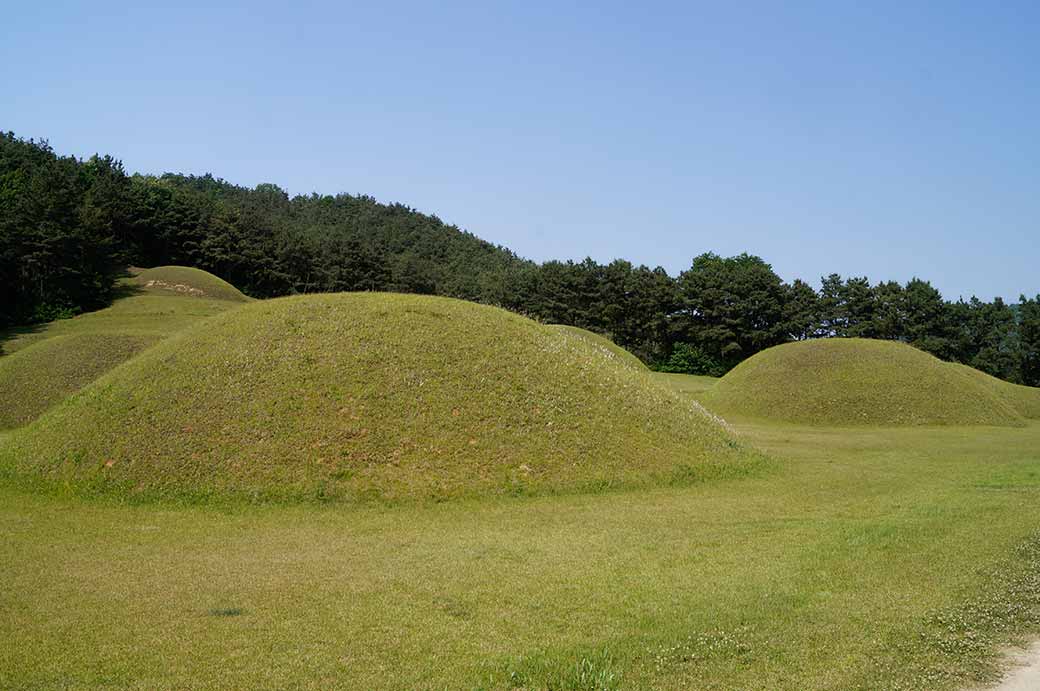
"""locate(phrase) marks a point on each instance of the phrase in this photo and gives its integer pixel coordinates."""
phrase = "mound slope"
(184, 280)
(37, 377)
(1024, 399)
(356, 395)
(607, 345)
(851, 381)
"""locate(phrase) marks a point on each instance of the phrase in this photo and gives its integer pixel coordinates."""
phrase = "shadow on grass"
(13, 332)
(123, 288)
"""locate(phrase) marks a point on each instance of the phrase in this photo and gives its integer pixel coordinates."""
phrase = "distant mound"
(39, 376)
(372, 395)
(853, 381)
(184, 280)
(604, 343)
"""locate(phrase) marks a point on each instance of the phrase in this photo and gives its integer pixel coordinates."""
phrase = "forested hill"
(269, 244)
(69, 228)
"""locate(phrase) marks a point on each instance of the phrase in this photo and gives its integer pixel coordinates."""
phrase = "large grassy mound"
(37, 377)
(356, 395)
(608, 346)
(183, 280)
(853, 381)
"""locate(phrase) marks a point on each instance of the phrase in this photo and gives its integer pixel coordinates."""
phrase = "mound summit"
(185, 280)
(368, 394)
(854, 381)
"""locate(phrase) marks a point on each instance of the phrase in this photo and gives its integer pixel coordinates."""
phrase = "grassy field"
(854, 557)
(867, 559)
(691, 384)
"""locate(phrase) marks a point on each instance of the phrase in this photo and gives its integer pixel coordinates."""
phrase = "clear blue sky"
(886, 139)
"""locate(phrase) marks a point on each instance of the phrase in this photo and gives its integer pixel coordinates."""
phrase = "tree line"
(70, 227)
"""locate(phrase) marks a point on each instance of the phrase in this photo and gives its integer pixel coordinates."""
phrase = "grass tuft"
(593, 671)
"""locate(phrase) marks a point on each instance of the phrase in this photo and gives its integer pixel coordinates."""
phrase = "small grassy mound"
(184, 280)
(852, 381)
(372, 395)
(1024, 399)
(37, 377)
(611, 348)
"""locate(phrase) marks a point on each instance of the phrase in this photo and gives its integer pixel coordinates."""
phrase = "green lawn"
(686, 383)
(897, 558)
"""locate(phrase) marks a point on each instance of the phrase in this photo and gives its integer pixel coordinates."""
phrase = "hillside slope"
(41, 365)
(37, 377)
(1024, 399)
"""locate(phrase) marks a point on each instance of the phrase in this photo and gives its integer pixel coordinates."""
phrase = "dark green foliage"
(269, 244)
(801, 310)
(633, 305)
(687, 358)
(63, 229)
(731, 308)
(1029, 328)
(889, 312)
(927, 319)
(69, 227)
(987, 337)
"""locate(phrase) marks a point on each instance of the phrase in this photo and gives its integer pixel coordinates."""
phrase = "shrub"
(687, 358)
